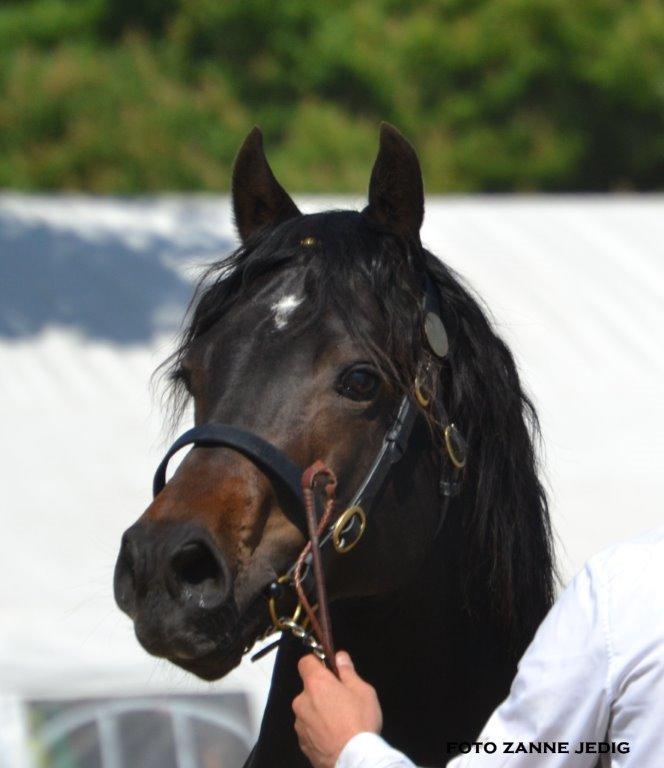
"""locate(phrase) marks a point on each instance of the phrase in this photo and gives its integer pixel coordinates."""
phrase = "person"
(589, 688)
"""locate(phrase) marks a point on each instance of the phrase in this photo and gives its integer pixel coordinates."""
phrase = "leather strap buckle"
(456, 446)
(343, 527)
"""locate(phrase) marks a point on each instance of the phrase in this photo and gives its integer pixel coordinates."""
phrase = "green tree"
(497, 95)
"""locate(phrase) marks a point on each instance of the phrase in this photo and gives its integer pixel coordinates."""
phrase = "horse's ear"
(259, 201)
(396, 192)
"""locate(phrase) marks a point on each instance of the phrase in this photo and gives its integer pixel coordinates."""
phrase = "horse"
(310, 337)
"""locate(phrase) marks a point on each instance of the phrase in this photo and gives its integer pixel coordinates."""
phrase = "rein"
(310, 494)
(321, 625)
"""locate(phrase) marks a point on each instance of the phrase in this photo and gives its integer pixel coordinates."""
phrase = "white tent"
(91, 291)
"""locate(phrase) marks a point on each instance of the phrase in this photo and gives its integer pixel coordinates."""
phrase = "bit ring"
(279, 622)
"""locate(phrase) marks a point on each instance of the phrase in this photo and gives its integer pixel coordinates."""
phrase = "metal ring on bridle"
(305, 636)
(420, 396)
(279, 622)
(455, 449)
(340, 544)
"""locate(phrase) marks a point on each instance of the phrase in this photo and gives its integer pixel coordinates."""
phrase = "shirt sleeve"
(367, 750)
(559, 699)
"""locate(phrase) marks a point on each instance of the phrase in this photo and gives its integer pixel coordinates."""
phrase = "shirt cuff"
(368, 750)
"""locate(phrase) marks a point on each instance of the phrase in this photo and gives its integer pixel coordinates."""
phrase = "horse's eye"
(359, 383)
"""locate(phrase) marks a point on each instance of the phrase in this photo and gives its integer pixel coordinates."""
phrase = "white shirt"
(594, 672)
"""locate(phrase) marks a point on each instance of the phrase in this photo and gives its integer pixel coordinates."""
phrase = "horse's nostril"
(194, 563)
(200, 574)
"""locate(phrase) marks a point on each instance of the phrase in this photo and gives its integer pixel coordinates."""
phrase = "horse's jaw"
(213, 666)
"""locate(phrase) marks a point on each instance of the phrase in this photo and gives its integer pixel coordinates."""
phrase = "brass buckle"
(421, 398)
(340, 544)
(279, 622)
(449, 434)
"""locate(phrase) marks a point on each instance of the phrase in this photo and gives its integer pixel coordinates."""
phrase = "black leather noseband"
(280, 470)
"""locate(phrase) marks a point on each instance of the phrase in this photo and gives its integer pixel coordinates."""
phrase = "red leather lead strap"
(318, 480)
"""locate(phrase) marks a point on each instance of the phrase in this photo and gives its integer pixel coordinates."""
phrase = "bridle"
(328, 536)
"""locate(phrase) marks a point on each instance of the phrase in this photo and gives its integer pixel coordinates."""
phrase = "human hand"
(330, 711)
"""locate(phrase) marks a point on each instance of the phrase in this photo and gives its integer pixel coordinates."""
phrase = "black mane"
(505, 541)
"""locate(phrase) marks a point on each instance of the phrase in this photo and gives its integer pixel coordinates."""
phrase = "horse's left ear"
(259, 201)
(396, 192)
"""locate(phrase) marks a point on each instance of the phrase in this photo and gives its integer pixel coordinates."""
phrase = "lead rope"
(315, 632)
(313, 477)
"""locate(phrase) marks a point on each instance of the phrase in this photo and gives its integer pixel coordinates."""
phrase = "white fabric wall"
(90, 293)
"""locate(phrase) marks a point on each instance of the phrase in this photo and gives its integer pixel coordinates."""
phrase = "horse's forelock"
(349, 258)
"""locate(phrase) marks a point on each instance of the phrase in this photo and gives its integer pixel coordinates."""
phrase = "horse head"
(307, 337)
(311, 338)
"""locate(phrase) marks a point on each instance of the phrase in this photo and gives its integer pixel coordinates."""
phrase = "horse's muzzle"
(175, 584)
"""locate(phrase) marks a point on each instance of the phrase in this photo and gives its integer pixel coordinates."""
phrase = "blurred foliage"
(137, 95)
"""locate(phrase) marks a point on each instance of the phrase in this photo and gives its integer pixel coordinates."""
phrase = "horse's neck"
(436, 682)
(437, 679)
(437, 676)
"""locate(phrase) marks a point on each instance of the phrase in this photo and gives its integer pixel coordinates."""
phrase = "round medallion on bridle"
(435, 334)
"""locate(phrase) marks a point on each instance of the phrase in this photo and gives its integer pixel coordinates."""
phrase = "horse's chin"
(213, 666)
(216, 662)
(208, 646)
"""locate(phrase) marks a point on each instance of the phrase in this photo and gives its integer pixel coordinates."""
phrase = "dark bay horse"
(309, 336)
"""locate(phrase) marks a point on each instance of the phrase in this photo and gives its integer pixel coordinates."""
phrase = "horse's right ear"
(396, 192)
(259, 201)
